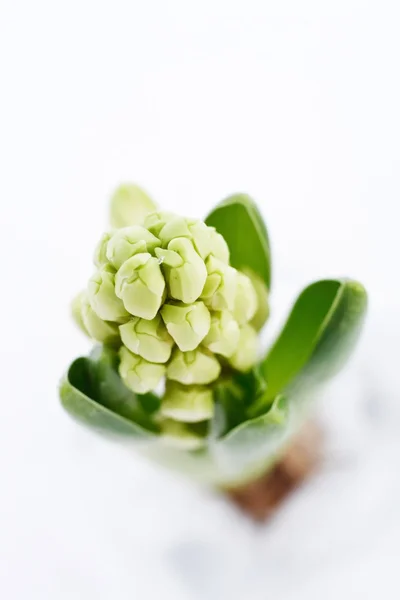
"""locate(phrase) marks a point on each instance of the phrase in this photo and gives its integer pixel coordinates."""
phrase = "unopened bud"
(198, 366)
(219, 247)
(223, 337)
(100, 254)
(127, 242)
(187, 324)
(102, 296)
(155, 221)
(245, 300)
(180, 435)
(186, 280)
(262, 312)
(99, 330)
(138, 374)
(129, 206)
(140, 285)
(246, 353)
(220, 287)
(189, 404)
(149, 339)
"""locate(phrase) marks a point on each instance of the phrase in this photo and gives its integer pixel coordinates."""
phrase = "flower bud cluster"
(165, 293)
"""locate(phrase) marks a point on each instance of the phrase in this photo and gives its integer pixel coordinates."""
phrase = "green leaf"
(229, 406)
(239, 221)
(93, 393)
(251, 447)
(129, 206)
(314, 344)
(318, 335)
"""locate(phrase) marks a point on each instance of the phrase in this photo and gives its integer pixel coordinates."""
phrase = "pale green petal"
(192, 229)
(169, 258)
(140, 285)
(155, 221)
(195, 367)
(262, 312)
(173, 228)
(223, 337)
(246, 354)
(185, 282)
(76, 310)
(220, 286)
(138, 374)
(102, 297)
(202, 238)
(219, 247)
(100, 254)
(129, 206)
(99, 330)
(189, 404)
(245, 300)
(149, 339)
(179, 435)
(127, 242)
(187, 324)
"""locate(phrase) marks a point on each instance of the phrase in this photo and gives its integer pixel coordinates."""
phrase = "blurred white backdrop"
(296, 103)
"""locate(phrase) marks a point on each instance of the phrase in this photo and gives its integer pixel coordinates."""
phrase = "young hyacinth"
(164, 291)
(176, 305)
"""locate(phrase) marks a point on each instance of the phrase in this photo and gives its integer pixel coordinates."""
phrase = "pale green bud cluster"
(165, 293)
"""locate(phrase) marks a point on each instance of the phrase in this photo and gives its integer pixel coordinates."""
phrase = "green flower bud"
(189, 404)
(262, 312)
(219, 247)
(100, 254)
(102, 297)
(179, 435)
(192, 229)
(140, 285)
(127, 242)
(184, 270)
(76, 310)
(247, 350)
(129, 206)
(99, 330)
(155, 221)
(138, 374)
(148, 339)
(245, 300)
(197, 366)
(220, 287)
(223, 337)
(187, 324)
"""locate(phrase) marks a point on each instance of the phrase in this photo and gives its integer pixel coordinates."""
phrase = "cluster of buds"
(165, 294)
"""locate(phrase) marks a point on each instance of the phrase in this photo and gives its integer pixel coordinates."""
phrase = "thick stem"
(263, 496)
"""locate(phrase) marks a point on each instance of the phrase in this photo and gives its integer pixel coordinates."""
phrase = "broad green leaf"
(113, 393)
(318, 335)
(129, 206)
(239, 221)
(251, 447)
(315, 342)
(93, 393)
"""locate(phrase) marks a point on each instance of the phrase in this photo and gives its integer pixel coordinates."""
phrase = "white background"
(297, 103)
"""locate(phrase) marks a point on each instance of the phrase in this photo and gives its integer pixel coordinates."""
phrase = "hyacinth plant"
(175, 308)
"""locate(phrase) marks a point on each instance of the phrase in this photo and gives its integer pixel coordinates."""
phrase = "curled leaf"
(93, 393)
